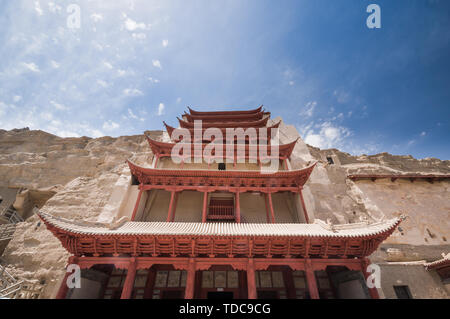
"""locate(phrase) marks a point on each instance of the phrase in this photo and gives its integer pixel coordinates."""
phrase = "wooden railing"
(221, 209)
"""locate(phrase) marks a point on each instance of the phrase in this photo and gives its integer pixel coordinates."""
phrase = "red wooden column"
(365, 262)
(285, 164)
(251, 283)
(272, 214)
(171, 206)
(138, 201)
(238, 208)
(311, 280)
(64, 288)
(305, 212)
(156, 162)
(190, 280)
(129, 280)
(205, 206)
(267, 208)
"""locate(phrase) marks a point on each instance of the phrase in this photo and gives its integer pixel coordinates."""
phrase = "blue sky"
(133, 64)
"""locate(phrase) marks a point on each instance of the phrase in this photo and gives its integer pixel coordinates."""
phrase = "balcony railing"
(221, 209)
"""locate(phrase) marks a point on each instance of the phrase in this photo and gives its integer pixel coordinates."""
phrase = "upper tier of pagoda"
(153, 178)
(225, 118)
(256, 139)
(162, 149)
(225, 124)
(221, 113)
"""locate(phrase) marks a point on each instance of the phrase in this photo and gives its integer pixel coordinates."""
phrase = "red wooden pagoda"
(227, 230)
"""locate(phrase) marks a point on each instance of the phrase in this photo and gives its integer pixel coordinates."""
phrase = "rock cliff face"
(80, 173)
(77, 178)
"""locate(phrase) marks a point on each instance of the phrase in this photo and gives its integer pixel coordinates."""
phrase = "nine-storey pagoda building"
(221, 227)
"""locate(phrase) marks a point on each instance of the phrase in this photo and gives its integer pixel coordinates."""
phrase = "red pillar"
(172, 199)
(272, 214)
(156, 162)
(238, 208)
(285, 164)
(190, 280)
(251, 283)
(267, 208)
(205, 206)
(365, 262)
(175, 203)
(138, 201)
(305, 212)
(129, 280)
(311, 280)
(64, 288)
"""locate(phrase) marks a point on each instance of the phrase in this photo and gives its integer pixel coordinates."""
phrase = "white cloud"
(102, 83)
(327, 135)
(411, 142)
(161, 108)
(46, 116)
(55, 64)
(17, 98)
(31, 67)
(132, 25)
(96, 17)
(153, 80)
(179, 100)
(157, 64)
(58, 106)
(291, 83)
(108, 65)
(139, 36)
(308, 110)
(37, 7)
(423, 133)
(52, 7)
(131, 114)
(110, 126)
(132, 92)
(165, 43)
(342, 97)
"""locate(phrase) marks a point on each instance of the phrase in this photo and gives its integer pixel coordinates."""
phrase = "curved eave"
(317, 230)
(306, 172)
(225, 118)
(194, 112)
(158, 147)
(438, 264)
(256, 124)
(170, 129)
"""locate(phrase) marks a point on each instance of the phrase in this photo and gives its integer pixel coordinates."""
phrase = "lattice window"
(270, 284)
(115, 284)
(300, 284)
(220, 279)
(324, 285)
(169, 284)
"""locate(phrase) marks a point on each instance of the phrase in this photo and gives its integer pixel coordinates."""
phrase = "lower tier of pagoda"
(231, 240)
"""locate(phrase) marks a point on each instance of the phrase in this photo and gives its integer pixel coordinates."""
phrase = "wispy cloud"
(133, 92)
(308, 110)
(157, 63)
(161, 108)
(31, 67)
